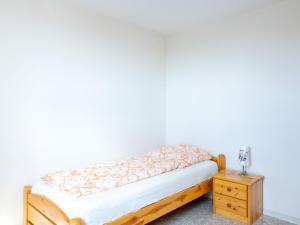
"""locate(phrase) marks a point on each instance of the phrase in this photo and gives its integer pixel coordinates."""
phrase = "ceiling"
(168, 16)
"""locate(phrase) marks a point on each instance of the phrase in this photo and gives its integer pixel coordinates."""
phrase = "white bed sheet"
(105, 206)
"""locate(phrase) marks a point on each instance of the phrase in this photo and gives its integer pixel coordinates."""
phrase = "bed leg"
(26, 192)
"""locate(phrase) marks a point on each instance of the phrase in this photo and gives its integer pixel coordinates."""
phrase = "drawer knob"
(229, 189)
(228, 205)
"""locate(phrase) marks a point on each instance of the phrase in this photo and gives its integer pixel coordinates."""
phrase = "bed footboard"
(39, 210)
(221, 161)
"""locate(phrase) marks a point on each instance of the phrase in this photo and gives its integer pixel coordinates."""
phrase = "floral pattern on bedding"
(101, 177)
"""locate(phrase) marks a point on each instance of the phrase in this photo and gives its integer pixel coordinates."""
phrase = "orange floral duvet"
(105, 176)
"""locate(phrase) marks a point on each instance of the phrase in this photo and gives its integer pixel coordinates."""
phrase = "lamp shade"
(244, 156)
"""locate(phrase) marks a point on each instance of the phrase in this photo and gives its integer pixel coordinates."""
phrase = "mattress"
(106, 206)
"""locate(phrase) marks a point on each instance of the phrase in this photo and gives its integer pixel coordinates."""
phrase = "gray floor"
(199, 212)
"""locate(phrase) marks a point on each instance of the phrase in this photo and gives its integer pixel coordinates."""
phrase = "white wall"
(74, 88)
(236, 83)
(77, 88)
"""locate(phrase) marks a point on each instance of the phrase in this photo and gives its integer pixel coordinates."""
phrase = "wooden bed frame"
(39, 210)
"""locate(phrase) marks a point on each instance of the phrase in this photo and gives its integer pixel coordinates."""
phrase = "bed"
(136, 203)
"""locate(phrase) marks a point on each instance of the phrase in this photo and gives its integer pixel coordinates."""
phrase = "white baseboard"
(282, 216)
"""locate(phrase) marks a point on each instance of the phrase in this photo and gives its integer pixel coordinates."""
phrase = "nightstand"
(238, 197)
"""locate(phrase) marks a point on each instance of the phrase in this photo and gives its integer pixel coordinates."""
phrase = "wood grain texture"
(238, 197)
(26, 192)
(233, 205)
(255, 203)
(231, 189)
(37, 218)
(221, 161)
(48, 208)
(230, 215)
(234, 176)
(39, 209)
(76, 221)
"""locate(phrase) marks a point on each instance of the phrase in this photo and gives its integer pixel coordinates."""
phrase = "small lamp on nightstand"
(244, 157)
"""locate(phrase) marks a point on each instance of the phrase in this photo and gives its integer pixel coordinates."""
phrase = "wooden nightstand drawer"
(230, 189)
(230, 204)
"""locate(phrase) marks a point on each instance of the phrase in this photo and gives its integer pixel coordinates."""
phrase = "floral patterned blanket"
(100, 177)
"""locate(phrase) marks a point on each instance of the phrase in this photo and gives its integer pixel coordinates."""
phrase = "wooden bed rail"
(39, 210)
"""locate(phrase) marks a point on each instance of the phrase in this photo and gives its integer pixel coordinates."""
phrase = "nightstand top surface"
(234, 176)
